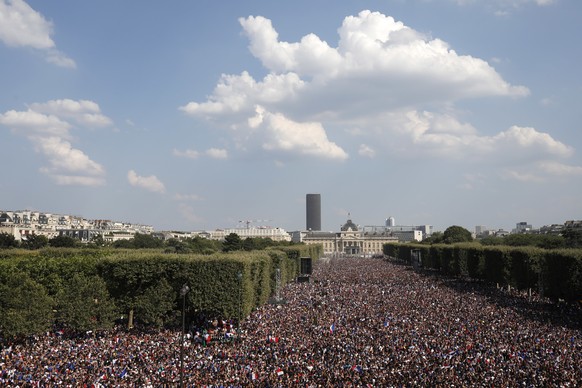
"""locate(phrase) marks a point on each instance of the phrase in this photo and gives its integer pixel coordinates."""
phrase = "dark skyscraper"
(313, 207)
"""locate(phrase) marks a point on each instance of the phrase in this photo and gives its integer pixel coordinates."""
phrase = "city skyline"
(195, 116)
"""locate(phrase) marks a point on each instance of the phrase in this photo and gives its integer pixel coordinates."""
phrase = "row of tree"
(232, 242)
(82, 290)
(568, 238)
(556, 273)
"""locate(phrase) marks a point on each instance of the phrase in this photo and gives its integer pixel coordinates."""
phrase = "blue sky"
(192, 115)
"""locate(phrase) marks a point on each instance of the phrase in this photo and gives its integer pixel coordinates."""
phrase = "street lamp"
(183, 291)
(239, 275)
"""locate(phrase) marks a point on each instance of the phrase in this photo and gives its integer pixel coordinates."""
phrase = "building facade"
(313, 212)
(348, 241)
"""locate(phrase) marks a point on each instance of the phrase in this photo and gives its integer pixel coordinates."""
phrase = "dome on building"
(349, 225)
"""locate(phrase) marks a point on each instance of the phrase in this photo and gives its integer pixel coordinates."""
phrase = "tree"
(154, 306)
(34, 241)
(257, 243)
(572, 237)
(491, 240)
(203, 245)
(97, 241)
(62, 241)
(141, 240)
(123, 243)
(232, 242)
(454, 234)
(25, 306)
(7, 241)
(85, 304)
(176, 246)
(435, 238)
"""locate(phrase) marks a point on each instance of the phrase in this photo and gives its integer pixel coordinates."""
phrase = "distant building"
(480, 230)
(402, 232)
(522, 227)
(21, 223)
(275, 234)
(390, 221)
(348, 241)
(83, 235)
(313, 211)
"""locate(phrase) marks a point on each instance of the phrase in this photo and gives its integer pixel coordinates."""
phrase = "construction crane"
(248, 222)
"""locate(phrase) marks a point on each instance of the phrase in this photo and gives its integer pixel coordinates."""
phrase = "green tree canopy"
(435, 238)
(572, 237)
(62, 241)
(85, 304)
(454, 234)
(34, 241)
(232, 242)
(25, 306)
(142, 240)
(155, 305)
(7, 241)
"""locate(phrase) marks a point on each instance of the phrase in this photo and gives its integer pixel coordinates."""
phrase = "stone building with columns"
(348, 241)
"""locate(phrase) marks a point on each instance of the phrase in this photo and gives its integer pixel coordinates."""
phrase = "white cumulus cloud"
(84, 112)
(48, 127)
(366, 151)
(22, 26)
(439, 134)
(279, 133)
(150, 183)
(379, 66)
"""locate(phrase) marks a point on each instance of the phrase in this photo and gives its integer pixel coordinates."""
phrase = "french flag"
(332, 328)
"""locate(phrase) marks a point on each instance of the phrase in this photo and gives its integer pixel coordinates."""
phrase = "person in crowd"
(359, 323)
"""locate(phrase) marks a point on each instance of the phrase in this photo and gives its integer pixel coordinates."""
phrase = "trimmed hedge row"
(134, 278)
(557, 273)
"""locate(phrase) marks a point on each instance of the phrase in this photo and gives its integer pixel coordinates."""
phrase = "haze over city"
(198, 115)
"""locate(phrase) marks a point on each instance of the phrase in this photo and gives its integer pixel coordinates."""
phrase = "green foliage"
(232, 242)
(97, 241)
(557, 272)
(154, 306)
(123, 244)
(572, 238)
(203, 245)
(497, 264)
(562, 274)
(34, 241)
(546, 241)
(491, 240)
(176, 246)
(435, 238)
(475, 261)
(62, 242)
(535, 240)
(90, 287)
(147, 241)
(455, 234)
(7, 241)
(25, 306)
(85, 304)
(525, 266)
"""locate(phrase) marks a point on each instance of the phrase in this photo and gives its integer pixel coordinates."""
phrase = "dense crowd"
(357, 323)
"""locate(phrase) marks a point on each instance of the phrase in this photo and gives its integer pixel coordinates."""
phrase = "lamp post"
(183, 291)
(239, 276)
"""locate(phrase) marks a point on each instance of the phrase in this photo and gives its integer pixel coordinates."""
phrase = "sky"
(198, 115)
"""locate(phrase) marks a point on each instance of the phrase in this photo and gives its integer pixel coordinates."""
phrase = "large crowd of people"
(358, 323)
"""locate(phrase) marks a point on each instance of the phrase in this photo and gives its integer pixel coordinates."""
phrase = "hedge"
(215, 286)
(557, 273)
